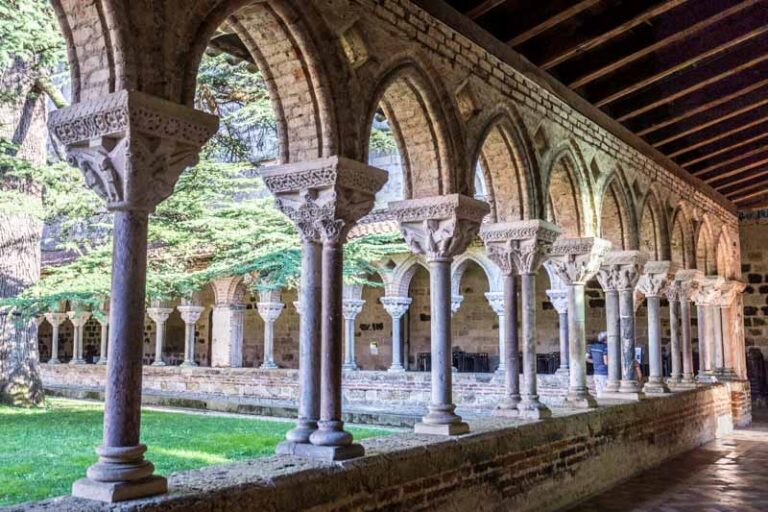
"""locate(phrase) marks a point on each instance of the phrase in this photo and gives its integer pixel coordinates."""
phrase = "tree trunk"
(20, 235)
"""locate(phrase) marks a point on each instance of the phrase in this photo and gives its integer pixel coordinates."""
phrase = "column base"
(188, 364)
(159, 363)
(532, 409)
(102, 361)
(54, 361)
(580, 400)
(612, 387)
(506, 412)
(351, 367)
(268, 366)
(672, 381)
(728, 374)
(629, 386)
(509, 402)
(324, 453)
(633, 396)
(682, 386)
(396, 369)
(330, 433)
(656, 388)
(501, 370)
(706, 378)
(445, 429)
(301, 432)
(563, 371)
(111, 492)
(77, 361)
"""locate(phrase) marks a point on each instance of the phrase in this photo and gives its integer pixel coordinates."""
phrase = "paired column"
(576, 261)
(396, 307)
(55, 319)
(520, 248)
(324, 199)
(159, 315)
(730, 292)
(440, 228)
(131, 148)
(672, 293)
(706, 296)
(351, 308)
(269, 308)
(190, 313)
(102, 316)
(496, 301)
(78, 319)
(559, 300)
(657, 275)
(687, 283)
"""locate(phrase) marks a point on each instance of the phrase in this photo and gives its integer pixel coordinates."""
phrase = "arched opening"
(614, 218)
(680, 241)
(705, 252)
(475, 325)
(373, 341)
(417, 336)
(383, 153)
(564, 198)
(650, 229)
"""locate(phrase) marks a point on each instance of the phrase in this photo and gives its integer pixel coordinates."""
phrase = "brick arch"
(511, 173)
(681, 244)
(705, 248)
(618, 223)
(228, 290)
(421, 117)
(460, 265)
(653, 233)
(569, 199)
(400, 283)
(726, 261)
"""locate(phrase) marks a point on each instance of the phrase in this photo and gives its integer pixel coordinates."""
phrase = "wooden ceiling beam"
(747, 192)
(703, 108)
(553, 21)
(752, 204)
(717, 137)
(589, 44)
(693, 61)
(735, 172)
(699, 85)
(483, 8)
(735, 159)
(724, 150)
(739, 181)
(711, 122)
(674, 38)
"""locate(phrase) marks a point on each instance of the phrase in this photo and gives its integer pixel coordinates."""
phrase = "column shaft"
(676, 374)
(103, 345)
(269, 344)
(687, 345)
(159, 335)
(349, 341)
(711, 339)
(717, 317)
(702, 329)
(564, 350)
(613, 328)
(54, 344)
(511, 347)
(530, 406)
(655, 382)
(397, 345)
(578, 392)
(629, 382)
(189, 344)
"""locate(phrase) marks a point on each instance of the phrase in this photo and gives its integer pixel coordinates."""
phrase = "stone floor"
(727, 475)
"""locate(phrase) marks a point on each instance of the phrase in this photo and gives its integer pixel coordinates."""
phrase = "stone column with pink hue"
(730, 292)
(576, 261)
(687, 283)
(131, 147)
(706, 298)
(440, 228)
(520, 248)
(227, 319)
(325, 199)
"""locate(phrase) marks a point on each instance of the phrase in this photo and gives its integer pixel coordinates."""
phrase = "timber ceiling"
(690, 77)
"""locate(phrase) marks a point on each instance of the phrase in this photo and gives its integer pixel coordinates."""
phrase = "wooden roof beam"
(552, 22)
(717, 137)
(752, 203)
(747, 192)
(735, 172)
(724, 150)
(735, 159)
(483, 8)
(589, 44)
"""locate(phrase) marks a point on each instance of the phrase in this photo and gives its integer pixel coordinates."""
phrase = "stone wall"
(754, 272)
(537, 466)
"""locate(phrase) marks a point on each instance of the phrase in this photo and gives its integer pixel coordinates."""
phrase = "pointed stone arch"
(705, 248)
(653, 231)
(681, 239)
(402, 275)
(569, 201)
(618, 222)
(461, 263)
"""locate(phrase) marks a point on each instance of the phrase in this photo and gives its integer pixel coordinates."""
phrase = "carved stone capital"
(270, 311)
(456, 301)
(708, 291)
(729, 291)
(621, 270)
(559, 300)
(324, 198)
(190, 313)
(439, 227)
(576, 260)
(396, 306)
(159, 315)
(55, 318)
(78, 318)
(519, 247)
(687, 281)
(130, 146)
(496, 301)
(656, 276)
(351, 308)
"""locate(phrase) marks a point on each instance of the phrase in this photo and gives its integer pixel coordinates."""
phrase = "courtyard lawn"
(44, 450)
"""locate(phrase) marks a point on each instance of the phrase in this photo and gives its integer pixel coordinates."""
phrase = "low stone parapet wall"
(409, 389)
(502, 465)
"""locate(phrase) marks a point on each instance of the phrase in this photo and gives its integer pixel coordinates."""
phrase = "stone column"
(131, 148)
(103, 318)
(55, 319)
(521, 247)
(78, 319)
(657, 275)
(687, 284)
(496, 301)
(672, 293)
(227, 319)
(352, 304)
(440, 228)
(269, 309)
(396, 307)
(707, 295)
(559, 300)
(576, 261)
(325, 198)
(159, 315)
(190, 313)
(730, 291)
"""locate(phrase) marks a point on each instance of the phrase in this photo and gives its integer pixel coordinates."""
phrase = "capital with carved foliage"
(324, 198)
(621, 270)
(496, 301)
(190, 313)
(519, 247)
(55, 318)
(396, 306)
(439, 227)
(687, 281)
(158, 314)
(576, 260)
(130, 146)
(78, 318)
(708, 291)
(657, 275)
(270, 311)
(351, 308)
(729, 290)
(559, 300)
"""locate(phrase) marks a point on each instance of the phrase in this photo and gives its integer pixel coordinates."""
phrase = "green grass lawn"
(42, 451)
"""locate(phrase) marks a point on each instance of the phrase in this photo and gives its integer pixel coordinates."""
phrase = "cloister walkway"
(725, 475)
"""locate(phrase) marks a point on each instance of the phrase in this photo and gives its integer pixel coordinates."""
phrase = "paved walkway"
(727, 475)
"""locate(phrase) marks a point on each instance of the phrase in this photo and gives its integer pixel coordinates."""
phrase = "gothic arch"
(420, 117)
(681, 241)
(653, 233)
(618, 223)
(489, 268)
(569, 199)
(705, 249)
(400, 283)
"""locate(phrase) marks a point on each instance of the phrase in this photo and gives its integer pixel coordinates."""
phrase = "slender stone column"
(55, 319)
(325, 199)
(190, 313)
(269, 309)
(673, 298)
(731, 290)
(521, 247)
(496, 301)
(78, 319)
(559, 300)
(396, 307)
(103, 320)
(687, 282)
(440, 228)
(701, 320)
(159, 315)
(576, 261)
(657, 275)
(352, 304)
(131, 148)
(707, 295)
